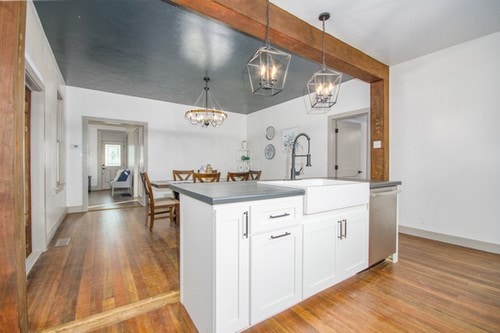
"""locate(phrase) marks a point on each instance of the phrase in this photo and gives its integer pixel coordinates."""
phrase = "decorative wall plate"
(269, 151)
(270, 132)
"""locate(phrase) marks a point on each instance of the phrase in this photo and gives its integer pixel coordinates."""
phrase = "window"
(113, 155)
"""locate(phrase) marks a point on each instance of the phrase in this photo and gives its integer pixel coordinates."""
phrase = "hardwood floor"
(113, 260)
(99, 200)
(435, 287)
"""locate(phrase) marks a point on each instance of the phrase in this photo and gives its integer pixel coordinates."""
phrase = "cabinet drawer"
(276, 213)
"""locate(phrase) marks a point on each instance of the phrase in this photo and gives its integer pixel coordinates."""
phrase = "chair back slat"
(237, 176)
(148, 189)
(182, 174)
(206, 177)
(255, 175)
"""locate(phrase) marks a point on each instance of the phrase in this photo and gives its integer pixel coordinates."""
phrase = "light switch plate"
(377, 144)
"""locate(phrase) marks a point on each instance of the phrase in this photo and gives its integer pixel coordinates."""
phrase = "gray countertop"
(382, 183)
(229, 192)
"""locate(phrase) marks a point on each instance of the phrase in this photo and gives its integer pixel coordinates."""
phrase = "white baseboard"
(54, 228)
(31, 260)
(75, 209)
(471, 243)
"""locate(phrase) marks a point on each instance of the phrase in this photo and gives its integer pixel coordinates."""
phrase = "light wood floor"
(113, 260)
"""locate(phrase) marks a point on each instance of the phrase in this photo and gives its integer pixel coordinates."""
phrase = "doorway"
(111, 145)
(112, 156)
(348, 145)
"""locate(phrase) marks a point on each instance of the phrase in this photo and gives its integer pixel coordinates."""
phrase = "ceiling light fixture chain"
(323, 87)
(268, 67)
(323, 17)
(267, 43)
(211, 112)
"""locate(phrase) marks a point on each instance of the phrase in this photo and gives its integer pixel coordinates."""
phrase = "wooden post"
(13, 305)
(292, 34)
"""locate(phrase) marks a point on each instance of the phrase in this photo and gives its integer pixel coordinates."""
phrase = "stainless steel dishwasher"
(383, 224)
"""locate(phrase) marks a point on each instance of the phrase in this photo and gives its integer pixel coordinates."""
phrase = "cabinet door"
(352, 243)
(320, 238)
(232, 269)
(276, 272)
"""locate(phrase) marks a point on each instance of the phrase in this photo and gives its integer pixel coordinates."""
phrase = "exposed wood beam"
(290, 33)
(13, 307)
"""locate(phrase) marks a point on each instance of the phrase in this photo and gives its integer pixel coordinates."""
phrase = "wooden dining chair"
(182, 174)
(255, 175)
(206, 177)
(237, 176)
(168, 207)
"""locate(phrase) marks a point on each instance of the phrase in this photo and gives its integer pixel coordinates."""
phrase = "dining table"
(165, 184)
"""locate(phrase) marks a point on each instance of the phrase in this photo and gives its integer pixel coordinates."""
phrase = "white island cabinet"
(240, 256)
(335, 247)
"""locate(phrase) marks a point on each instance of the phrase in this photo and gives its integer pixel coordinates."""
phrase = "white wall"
(173, 143)
(445, 140)
(354, 95)
(49, 204)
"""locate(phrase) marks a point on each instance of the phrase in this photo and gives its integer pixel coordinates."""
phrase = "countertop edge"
(282, 193)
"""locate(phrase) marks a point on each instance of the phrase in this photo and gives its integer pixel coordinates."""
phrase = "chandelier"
(268, 67)
(323, 87)
(210, 112)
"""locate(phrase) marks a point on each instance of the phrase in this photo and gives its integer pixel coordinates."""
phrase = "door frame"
(38, 173)
(332, 140)
(142, 164)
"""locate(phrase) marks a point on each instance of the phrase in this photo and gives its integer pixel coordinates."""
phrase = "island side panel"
(197, 261)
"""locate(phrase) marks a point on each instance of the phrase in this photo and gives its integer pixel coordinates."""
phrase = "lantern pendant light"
(323, 87)
(268, 67)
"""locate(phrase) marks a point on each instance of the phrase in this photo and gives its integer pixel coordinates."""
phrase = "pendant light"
(323, 87)
(268, 67)
(210, 112)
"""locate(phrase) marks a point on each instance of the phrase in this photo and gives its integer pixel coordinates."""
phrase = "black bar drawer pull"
(278, 216)
(279, 236)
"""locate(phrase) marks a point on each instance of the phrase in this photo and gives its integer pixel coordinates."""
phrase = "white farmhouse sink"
(323, 195)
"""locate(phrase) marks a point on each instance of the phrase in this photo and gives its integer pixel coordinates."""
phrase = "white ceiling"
(394, 31)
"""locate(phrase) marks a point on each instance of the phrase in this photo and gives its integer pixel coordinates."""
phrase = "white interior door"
(112, 158)
(348, 139)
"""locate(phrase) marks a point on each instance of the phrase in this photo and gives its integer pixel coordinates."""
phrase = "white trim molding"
(460, 241)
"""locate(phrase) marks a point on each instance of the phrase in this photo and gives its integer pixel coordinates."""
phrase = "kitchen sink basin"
(322, 195)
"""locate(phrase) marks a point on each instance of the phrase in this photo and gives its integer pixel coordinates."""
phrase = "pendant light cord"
(206, 92)
(323, 60)
(268, 44)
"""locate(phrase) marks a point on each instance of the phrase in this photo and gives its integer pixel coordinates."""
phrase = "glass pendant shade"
(268, 67)
(323, 88)
(210, 111)
(267, 70)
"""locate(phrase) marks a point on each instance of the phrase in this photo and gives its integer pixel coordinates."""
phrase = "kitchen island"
(247, 251)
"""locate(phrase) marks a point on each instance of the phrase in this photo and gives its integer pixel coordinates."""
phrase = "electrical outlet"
(421, 219)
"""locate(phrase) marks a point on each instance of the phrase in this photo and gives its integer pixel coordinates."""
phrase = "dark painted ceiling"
(153, 49)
